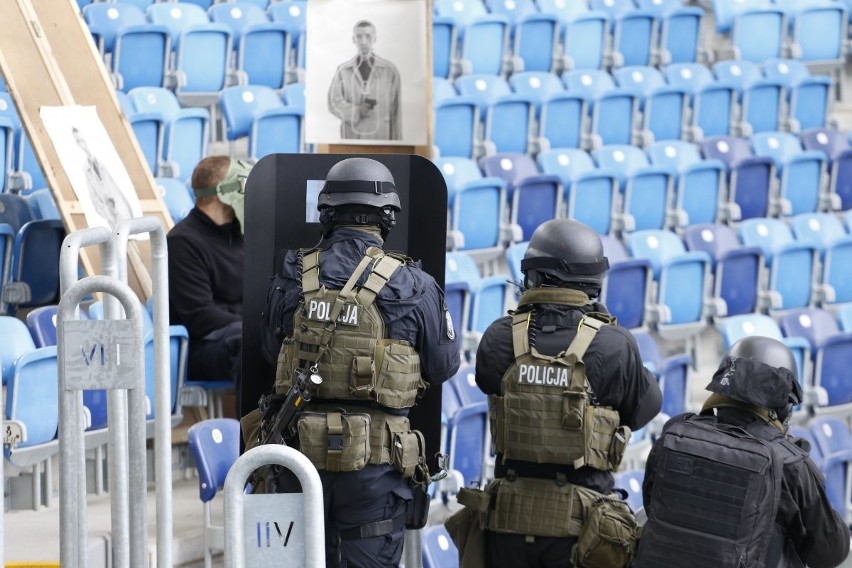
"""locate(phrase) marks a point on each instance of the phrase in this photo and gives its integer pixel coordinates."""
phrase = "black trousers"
(355, 499)
(218, 357)
(504, 550)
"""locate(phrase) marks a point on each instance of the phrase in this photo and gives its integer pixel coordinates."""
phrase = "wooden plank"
(48, 58)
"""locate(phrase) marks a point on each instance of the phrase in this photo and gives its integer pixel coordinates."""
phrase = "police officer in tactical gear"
(375, 327)
(730, 487)
(565, 386)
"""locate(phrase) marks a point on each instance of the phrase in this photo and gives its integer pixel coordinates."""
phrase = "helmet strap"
(331, 217)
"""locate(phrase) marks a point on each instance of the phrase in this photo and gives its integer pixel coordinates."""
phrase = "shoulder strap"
(520, 333)
(563, 296)
(716, 400)
(310, 270)
(383, 268)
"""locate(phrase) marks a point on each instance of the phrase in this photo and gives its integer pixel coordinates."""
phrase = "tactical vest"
(715, 497)
(544, 413)
(358, 362)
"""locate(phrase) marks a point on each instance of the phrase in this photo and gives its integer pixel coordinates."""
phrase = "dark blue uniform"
(413, 309)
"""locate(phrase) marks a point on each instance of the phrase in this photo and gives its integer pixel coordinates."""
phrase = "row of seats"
(482, 114)
(199, 52)
(505, 36)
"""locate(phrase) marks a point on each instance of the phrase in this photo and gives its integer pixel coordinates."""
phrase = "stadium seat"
(808, 97)
(25, 172)
(760, 97)
(484, 44)
(537, 85)
(646, 190)
(749, 179)
(724, 11)
(835, 145)
(457, 128)
(261, 48)
(488, 294)
(462, 11)
(257, 112)
(700, 186)
(148, 129)
(672, 373)
(801, 172)
(186, 135)
(484, 89)
(590, 195)
(179, 199)
(293, 16)
(509, 125)
(18, 341)
(613, 8)
(664, 107)
(818, 33)
(534, 197)
(477, 205)
(564, 121)
(536, 40)
(680, 38)
(585, 40)
(844, 317)
(713, 103)
(293, 95)
(34, 276)
(735, 328)
(627, 285)
(588, 82)
(791, 264)
(43, 204)
(444, 40)
(634, 38)
(738, 270)
(681, 278)
(564, 9)
(758, 35)
(831, 435)
(215, 446)
(613, 111)
(438, 549)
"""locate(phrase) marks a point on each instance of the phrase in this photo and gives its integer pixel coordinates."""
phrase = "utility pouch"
(335, 441)
(466, 529)
(363, 378)
(573, 409)
(620, 439)
(539, 507)
(397, 368)
(601, 430)
(609, 536)
(408, 450)
(475, 499)
(418, 510)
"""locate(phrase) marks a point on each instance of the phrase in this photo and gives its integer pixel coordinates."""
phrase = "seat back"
(817, 229)
(237, 15)
(177, 17)
(242, 104)
(815, 325)
(438, 548)
(156, 100)
(759, 35)
(689, 76)
(832, 438)
(585, 39)
(538, 85)
(17, 341)
(108, 19)
(215, 446)
(828, 140)
(511, 167)
(32, 395)
(178, 197)
(588, 82)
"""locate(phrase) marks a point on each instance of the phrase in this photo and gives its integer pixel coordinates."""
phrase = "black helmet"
(563, 252)
(761, 371)
(358, 191)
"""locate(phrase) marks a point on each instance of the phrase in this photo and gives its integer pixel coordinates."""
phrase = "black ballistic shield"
(278, 191)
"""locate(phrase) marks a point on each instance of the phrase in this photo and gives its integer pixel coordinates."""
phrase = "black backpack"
(714, 499)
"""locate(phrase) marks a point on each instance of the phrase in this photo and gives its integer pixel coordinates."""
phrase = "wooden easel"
(48, 58)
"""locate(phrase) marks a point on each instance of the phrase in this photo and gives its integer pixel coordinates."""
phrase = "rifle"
(282, 426)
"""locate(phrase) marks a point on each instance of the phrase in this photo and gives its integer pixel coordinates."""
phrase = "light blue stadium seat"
(564, 120)
(835, 145)
(646, 190)
(536, 41)
(664, 107)
(760, 98)
(613, 8)
(590, 195)
(844, 317)
(634, 39)
(242, 104)
(534, 197)
(801, 172)
(588, 82)
(484, 44)
(477, 204)
(463, 11)
(487, 294)
(25, 173)
(681, 279)
(438, 548)
(261, 49)
(679, 36)
(43, 204)
(215, 446)
(737, 269)
(700, 185)
(107, 19)
(672, 373)
(724, 11)
(808, 97)
(177, 196)
(631, 481)
(690, 76)
(293, 16)
(457, 127)
(444, 40)
(818, 32)
(627, 284)
(831, 435)
(482, 88)
(276, 131)
(759, 34)
(566, 10)
(585, 40)
(509, 124)
(186, 135)
(713, 102)
(791, 264)
(17, 341)
(750, 178)
(537, 85)
(735, 328)
(442, 89)
(293, 95)
(826, 232)
(148, 128)
(512, 9)
(177, 17)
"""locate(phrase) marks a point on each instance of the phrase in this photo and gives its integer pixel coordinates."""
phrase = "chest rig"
(340, 334)
(544, 413)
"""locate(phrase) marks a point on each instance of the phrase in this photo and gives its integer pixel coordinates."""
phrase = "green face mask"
(232, 190)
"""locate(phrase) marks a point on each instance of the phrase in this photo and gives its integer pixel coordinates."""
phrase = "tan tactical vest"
(343, 334)
(544, 414)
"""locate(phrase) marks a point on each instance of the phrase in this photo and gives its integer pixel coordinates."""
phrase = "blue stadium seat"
(818, 32)
(646, 190)
(835, 145)
(825, 231)
(17, 341)
(186, 135)
(760, 98)
(664, 108)
(463, 11)
(477, 204)
(791, 264)
(631, 481)
(444, 44)
(759, 34)
(844, 317)
(588, 82)
(801, 172)
(508, 124)
(534, 197)
(25, 172)
(737, 269)
(484, 44)
(137, 51)
(293, 16)
(563, 121)
(35, 262)
(293, 95)
(627, 284)
(457, 127)
(536, 41)
(724, 11)
(680, 31)
(537, 85)
(564, 9)
(261, 49)
(713, 103)
(681, 278)
(831, 435)
(700, 185)
(590, 195)
(215, 446)
(41, 322)
(585, 40)
(488, 293)
(634, 38)
(484, 89)
(42, 204)
(808, 97)
(613, 8)
(276, 131)
(438, 549)
(514, 255)
(750, 178)
(179, 199)
(177, 17)
(672, 373)
(737, 327)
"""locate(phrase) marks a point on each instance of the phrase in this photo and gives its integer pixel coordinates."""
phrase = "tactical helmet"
(562, 252)
(761, 371)
(358, 191)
